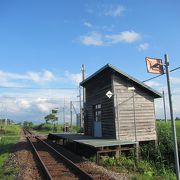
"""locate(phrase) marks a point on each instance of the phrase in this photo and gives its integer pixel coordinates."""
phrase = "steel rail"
(68, 162)
(46, 171)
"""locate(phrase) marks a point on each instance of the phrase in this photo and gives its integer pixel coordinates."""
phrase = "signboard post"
(156, 66)
(176, 156)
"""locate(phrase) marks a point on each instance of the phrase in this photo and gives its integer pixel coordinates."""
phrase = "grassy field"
(9, 135)
(156, 162)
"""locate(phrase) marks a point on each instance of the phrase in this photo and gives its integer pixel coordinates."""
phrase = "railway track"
(53, 164)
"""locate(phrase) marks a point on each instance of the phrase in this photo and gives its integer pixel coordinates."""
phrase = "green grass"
(45, 129)
(9, 135)
(156, 162)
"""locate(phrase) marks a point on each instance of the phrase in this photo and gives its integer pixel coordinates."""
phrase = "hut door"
(97, 121)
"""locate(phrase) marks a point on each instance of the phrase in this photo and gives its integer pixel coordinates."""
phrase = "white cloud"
(13, 79)
(45, 107)
(94, 39)
(48, 76)
(87, 24)
(97, 39)
(143, 46)
(40, 76)
(153, 84)
(75, 78)
(115, 11)
(175, 80)
(176, 105)
(34, 105)
(24, 104)
(125, 36)
(9, 75)
(107, 28)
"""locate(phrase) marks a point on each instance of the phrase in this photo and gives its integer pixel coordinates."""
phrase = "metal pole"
(71, 112)
(83, 90)
(80, 106)
(83, 78)
(172, 118)
(64, 112)
(164, 103)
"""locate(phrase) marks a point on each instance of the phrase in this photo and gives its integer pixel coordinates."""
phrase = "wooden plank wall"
(144, 116)
(96, 93)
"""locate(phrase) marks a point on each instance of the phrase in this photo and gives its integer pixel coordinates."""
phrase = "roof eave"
(152, 91)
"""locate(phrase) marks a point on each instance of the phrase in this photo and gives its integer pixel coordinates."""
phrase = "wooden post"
(97, 157)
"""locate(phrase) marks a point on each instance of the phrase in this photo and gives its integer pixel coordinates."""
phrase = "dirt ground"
(23, 159)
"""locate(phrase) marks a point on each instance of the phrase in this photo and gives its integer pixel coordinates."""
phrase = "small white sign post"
(109, 94)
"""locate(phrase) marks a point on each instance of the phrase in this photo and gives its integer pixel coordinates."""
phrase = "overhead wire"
(160, 75)
(16, 87)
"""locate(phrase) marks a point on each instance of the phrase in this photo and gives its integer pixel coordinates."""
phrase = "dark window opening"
(97, 112)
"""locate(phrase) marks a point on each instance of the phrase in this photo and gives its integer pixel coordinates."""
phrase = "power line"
(152, 78)
(175, 69)
(37, 88)
(160, 75)
(31, 98)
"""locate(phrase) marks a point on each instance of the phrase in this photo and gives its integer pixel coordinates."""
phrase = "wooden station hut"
(128, 114)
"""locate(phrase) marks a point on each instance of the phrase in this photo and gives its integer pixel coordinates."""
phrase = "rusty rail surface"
(68, 164)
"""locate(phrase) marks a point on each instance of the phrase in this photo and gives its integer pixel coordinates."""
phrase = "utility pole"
(83, 78)
(64, 113)
(83, 91)
(155, 65)
(80, 106)
(176, 156)
(71, 112)
(164, 103)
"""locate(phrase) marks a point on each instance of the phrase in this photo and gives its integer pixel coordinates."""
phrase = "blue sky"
(43, 44)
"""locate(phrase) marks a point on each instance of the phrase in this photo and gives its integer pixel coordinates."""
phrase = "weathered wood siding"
(132, 117)
(96, 94)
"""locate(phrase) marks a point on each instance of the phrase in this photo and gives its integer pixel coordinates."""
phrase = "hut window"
(97, 112)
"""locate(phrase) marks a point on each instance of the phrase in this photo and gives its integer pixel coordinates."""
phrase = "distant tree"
(25, 124)
(47, 119)
(54, 111)
(20, 123)
(28, 124)
(177, 118)
(3, 121)
(52, 117)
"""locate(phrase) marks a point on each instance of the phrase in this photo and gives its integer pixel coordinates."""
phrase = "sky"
(44, 43)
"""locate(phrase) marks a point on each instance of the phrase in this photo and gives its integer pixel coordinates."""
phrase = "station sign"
(154, 65)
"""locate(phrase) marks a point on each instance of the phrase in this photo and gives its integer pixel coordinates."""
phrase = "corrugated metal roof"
(109, 66)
